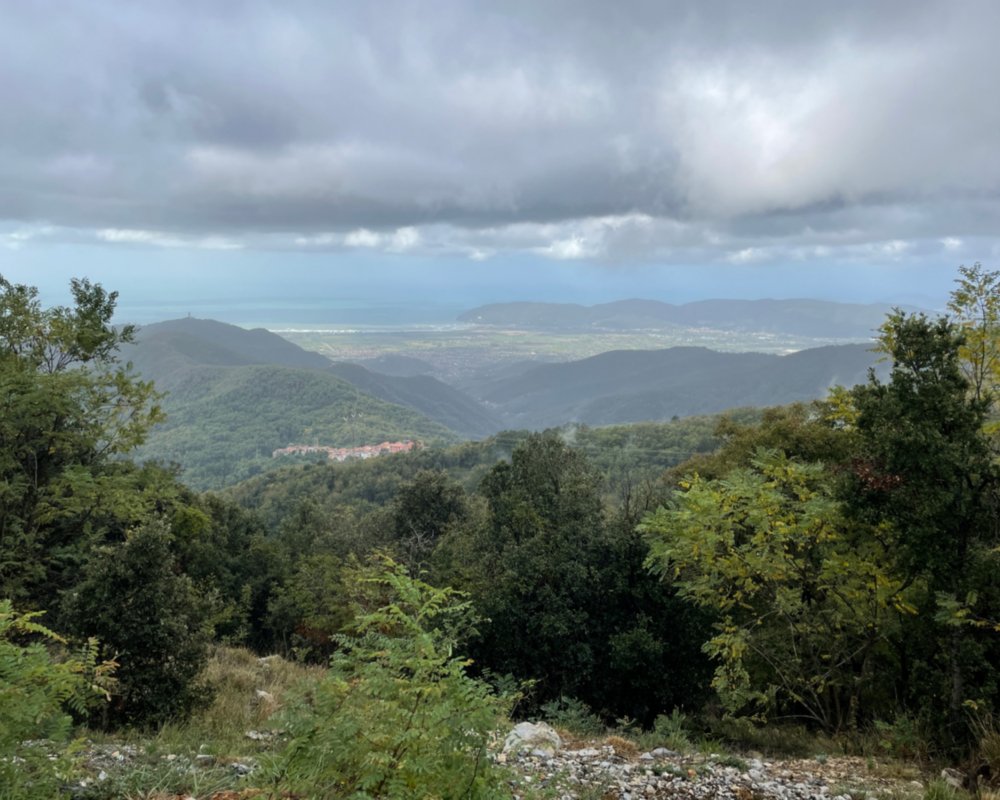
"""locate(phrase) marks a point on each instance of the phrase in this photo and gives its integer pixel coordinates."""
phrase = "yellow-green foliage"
(801, 598)
(36, 691)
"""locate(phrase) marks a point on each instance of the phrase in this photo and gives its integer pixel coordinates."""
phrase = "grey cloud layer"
(574, 130)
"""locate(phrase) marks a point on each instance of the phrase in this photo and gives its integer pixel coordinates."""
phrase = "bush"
(673, 730)
(396, 715)
(35, 693)
(574, 716)
(151, 620)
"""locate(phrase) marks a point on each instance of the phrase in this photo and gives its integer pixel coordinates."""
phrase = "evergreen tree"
(149, 619)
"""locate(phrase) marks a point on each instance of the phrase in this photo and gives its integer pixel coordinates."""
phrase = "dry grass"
(248, 691)
(623, 748)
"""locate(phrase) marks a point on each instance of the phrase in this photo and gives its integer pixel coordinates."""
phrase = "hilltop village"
(346, 453)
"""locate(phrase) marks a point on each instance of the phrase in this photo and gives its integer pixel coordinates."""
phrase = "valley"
(453, 353)
(232, 396)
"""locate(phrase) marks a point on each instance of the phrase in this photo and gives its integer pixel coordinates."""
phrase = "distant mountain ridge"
(235, 395)
(813, 318)
(634, 385)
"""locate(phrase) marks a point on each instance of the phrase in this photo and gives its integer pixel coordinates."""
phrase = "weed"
(709, 746)
(941, 790)
(150, 777)
(732, 761)
(786, 740)
(986, 729)
(902, 738)
(672, 731)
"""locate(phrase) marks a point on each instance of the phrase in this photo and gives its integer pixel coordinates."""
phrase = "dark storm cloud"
(576, 130)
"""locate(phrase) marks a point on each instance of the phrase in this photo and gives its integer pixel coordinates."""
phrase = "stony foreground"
(611, 769)
(598, 772)
(615, 771)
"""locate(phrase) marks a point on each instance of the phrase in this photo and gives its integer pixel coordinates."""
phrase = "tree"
(149, 619)
(801, 597)
(310, 608)
(539, 558)
(68, 409)
(422, 512)
(975, 306)
(567, 602)
(925, 468)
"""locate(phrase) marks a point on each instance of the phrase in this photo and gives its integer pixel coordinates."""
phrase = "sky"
(203, 156)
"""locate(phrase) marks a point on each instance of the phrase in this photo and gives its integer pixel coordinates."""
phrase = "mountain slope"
(223, 422)
(438, 401)
(167, 351)
(232, 396)
(635, 385)
(166, 347)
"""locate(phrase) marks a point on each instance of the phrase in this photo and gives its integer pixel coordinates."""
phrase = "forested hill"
(167, 351)
(814, 318)
(439, 401)
(223, 422)
(166, 348)
(233, 395)
(629, 385)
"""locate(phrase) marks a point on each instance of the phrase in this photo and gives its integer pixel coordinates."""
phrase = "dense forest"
(830, 565)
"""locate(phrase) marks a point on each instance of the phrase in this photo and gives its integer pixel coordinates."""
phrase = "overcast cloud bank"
(686, 133)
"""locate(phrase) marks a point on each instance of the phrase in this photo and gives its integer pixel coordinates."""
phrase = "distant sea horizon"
(295, 315)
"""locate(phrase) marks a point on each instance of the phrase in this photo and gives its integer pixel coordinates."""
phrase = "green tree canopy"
(149, 619)
(925, 468)
(68, 408)
(802, 598)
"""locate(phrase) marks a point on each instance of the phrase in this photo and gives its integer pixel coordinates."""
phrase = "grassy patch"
(207, 754)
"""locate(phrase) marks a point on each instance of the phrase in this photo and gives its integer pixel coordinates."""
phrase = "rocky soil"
(613, 771)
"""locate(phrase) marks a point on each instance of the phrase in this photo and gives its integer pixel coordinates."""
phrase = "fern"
(396, 715)
(36, 690)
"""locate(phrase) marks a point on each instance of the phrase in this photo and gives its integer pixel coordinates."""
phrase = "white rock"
(263, 697)
(953, 778)
(533, 736)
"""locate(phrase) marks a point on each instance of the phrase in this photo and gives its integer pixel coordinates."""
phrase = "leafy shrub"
(396, 715)
(904, 738)
(151, 620)
(35, 693)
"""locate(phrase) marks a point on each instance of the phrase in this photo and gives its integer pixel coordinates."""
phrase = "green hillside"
(440, 402)
(635, 385)
(223, 422)
(166, 353)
